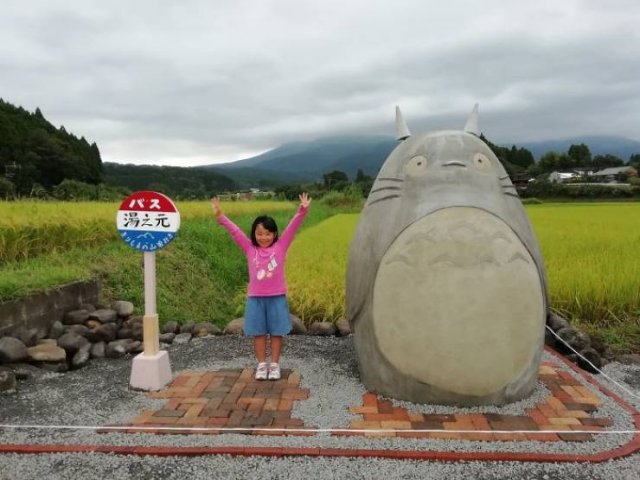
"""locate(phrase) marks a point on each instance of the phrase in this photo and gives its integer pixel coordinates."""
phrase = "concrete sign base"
(150, 372)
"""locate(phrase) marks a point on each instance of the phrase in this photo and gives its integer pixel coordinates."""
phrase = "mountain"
(598, 145)
(307, 161)
(300, 162)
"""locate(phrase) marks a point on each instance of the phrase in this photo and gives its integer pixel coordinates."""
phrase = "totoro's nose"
(454, 163)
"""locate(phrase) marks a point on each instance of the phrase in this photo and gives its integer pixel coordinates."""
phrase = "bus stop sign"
(148, 221)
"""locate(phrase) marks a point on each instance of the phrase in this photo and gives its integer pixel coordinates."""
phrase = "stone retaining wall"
(41, 309)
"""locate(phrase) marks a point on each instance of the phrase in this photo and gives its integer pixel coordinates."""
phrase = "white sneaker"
(261, 371)
(274, 371)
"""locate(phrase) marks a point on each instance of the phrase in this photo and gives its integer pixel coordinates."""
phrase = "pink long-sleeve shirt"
(266, 265)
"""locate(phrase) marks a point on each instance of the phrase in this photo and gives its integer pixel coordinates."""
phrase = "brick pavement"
(233, 399)
(569, 407)
(229, 398)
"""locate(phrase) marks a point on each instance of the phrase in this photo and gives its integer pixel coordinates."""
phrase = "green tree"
(335, 180)
(7, 189)
(74, 190)
(605, 161)
(549, 162)
(580, 154)
(634, 161)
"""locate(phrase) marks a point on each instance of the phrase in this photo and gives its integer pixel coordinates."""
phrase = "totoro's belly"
(458, 303)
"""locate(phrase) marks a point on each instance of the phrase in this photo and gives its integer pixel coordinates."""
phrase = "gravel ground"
(99, 395)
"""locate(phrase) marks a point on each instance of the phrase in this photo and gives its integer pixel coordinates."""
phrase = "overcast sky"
(197, 82)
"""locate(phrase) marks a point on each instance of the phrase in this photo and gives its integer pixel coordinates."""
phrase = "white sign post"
(148, 221)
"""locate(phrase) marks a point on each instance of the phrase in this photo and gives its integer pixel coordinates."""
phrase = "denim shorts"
(267, 315)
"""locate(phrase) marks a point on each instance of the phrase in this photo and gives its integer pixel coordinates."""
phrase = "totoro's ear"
(472, 122)
(402, 131)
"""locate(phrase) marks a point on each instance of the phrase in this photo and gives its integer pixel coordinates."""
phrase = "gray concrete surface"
(98, 395)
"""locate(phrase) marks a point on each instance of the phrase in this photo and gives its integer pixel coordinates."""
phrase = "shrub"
(351, 197)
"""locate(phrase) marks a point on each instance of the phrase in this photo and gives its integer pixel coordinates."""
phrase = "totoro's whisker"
(384, 188)
(513, 194)
(518, 256)
(503, 178)
(392, 179)
(388, 197)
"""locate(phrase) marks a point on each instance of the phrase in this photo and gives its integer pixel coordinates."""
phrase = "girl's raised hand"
(305, 200)
(215, 206)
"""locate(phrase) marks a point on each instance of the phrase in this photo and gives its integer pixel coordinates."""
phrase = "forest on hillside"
(35, 155)
(38, 160)
(177, 182)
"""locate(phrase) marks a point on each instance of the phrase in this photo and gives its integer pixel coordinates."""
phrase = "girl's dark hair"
(268, 223)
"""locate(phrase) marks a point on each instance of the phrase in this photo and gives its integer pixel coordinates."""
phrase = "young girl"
(267, 311)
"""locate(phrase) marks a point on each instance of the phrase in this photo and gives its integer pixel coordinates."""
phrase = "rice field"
(592, 262)
(29, 229)
(316, 268)
(590, 252)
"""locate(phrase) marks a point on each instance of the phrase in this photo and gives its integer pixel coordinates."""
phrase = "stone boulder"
(57, 329)
(106, 332)
(186, 328)
(98, 350)
(593, 362)
(297, 326)
(28, 336)
(81, 330)
(88, 307)
(137, 331)
(170, 327)
(182, 338)
(122, 308)
(82, 356)
(167, 338)
(46, 352)
(556, 321)
(323, 329)
(12, 350)
(76, 317)
(72, 342)
(104, 315)
(235, 327)
(204, 329)
(575, 338)
(344, 329)
(125, 333)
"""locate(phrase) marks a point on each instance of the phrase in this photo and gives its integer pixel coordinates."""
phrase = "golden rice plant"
(30, 228)
(316, 267)
(590, 253)
(591, 257)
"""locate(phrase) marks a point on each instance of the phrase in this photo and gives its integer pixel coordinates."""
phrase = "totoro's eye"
(481, 161)
(416, 166)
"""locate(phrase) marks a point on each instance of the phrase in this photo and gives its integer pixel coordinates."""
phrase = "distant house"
(521, 179)
(612, 174)
(561, 177)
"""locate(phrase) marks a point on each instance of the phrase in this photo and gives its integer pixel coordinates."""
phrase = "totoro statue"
(446, 288)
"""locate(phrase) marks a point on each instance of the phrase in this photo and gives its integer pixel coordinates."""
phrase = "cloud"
(199, 82)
